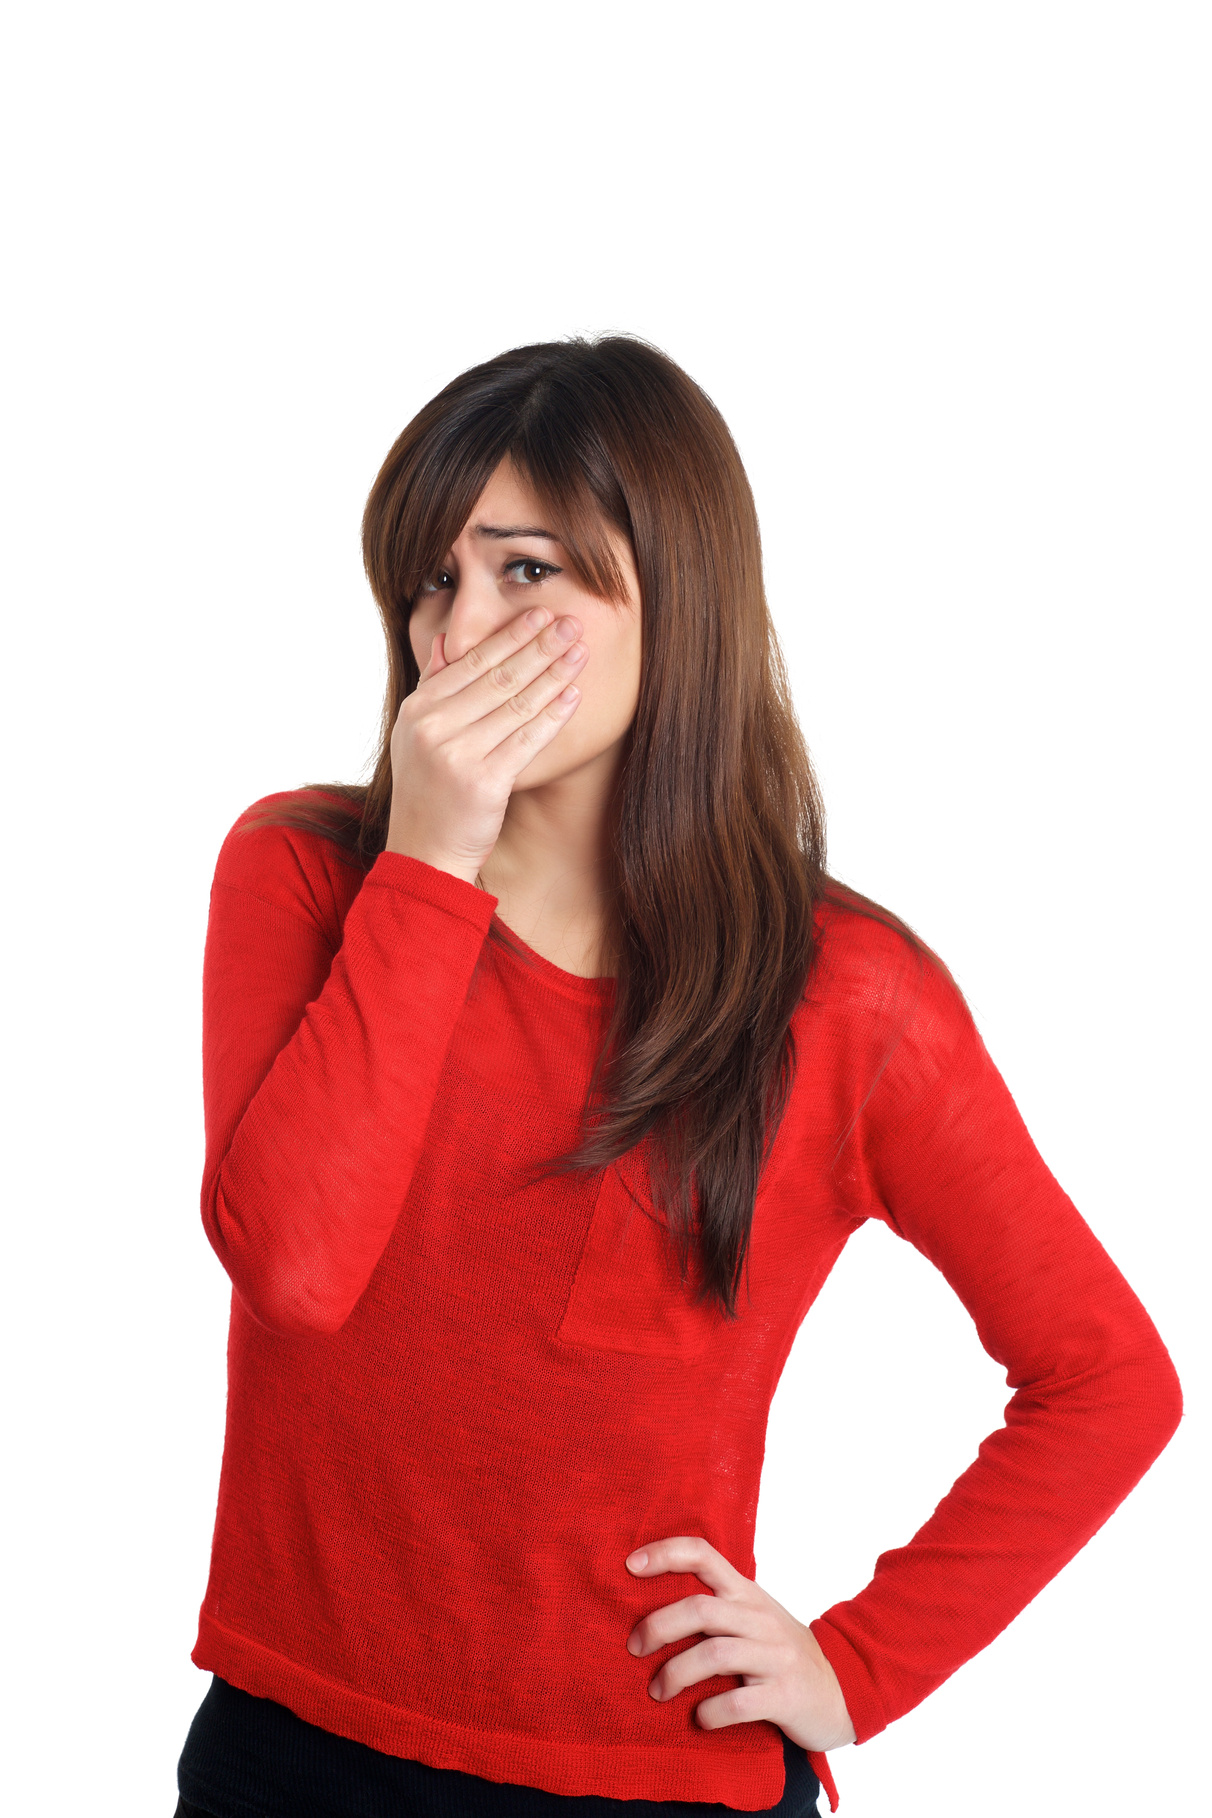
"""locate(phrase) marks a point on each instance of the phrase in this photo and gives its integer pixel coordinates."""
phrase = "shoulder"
(292, 867)
(879, 987)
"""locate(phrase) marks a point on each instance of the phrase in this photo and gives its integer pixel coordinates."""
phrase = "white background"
(945, 270)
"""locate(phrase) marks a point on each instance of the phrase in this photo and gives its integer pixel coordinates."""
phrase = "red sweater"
(458, 1400)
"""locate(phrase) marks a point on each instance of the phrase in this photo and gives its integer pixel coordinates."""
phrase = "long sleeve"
(315, 1107)
(946, 1161)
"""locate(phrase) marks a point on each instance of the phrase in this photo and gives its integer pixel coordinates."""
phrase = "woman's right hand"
(467, 730)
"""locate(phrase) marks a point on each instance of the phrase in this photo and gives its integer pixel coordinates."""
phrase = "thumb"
(437, 655)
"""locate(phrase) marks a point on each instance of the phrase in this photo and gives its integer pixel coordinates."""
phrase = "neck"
(550, 867)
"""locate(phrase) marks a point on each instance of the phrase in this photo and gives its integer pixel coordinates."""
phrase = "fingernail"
(654, 1689)
(538, 617)
(637, 1561)
(566, 628)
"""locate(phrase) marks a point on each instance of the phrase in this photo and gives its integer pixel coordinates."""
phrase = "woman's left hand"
(786, 1676)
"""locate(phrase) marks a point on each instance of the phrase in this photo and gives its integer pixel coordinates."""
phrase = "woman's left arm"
(941, 1154)
(953, 1170)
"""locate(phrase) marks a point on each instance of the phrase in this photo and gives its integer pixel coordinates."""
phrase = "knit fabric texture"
(458, 1397)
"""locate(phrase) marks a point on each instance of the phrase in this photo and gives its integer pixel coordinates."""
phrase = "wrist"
(467, 869)
(836, 1720)
(840, 1724)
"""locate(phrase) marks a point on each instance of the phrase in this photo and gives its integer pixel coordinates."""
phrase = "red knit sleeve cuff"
(413, 877)
(862, 1700)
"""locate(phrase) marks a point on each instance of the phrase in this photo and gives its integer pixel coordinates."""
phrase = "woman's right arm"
(320, 1068)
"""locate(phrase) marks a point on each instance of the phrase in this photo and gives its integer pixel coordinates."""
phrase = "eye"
(437, 582)
(529, 572)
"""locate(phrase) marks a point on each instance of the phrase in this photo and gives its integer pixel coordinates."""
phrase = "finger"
(718, 1656)
(499, 651)
(490, 736)
(745, 1704)
(505, 682)
(687, 1553)
(437, 656)
(511, 756)
(702, 1614)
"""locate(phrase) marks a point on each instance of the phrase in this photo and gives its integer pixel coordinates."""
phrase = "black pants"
(254, 1758)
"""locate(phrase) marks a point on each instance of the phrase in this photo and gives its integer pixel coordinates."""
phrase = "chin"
(548, 768)
(538, 773)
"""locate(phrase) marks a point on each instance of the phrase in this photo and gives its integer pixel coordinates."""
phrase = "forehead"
(506, 499)
(509, 508)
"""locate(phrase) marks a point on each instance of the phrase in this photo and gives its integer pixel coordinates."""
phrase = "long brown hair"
(717, 834)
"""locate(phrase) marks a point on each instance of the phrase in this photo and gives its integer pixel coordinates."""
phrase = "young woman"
(545, 1078)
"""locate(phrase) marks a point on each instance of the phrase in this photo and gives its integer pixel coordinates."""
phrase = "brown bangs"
(441, 465)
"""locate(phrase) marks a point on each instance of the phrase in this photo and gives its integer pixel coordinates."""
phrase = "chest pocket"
(627, 1294)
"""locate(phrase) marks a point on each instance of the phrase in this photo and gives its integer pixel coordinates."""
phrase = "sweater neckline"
(573, 984)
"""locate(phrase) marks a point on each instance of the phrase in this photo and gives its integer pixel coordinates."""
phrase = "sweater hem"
(747, 1781)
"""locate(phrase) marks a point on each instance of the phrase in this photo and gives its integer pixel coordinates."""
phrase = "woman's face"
(508, 558)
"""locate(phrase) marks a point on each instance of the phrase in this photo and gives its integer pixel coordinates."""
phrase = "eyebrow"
(513, 530)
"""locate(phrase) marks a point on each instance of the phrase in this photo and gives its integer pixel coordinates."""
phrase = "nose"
(474, 611)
